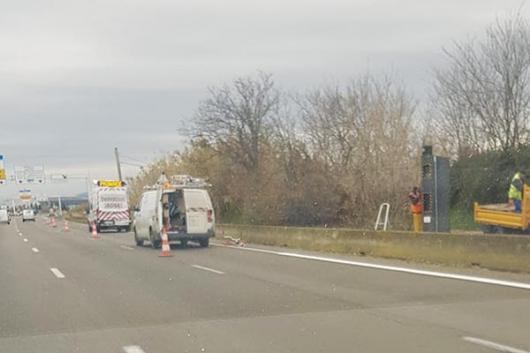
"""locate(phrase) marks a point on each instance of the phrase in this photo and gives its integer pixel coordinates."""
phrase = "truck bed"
(503, 207)
(503, 215)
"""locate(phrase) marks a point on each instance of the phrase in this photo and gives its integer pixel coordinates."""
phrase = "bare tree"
(482, 97)
(364, 134)
(238, 117)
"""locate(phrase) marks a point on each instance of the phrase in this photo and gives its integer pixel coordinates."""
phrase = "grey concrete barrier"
(493, 251)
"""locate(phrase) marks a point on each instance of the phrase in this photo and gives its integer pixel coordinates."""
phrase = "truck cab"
(184, 209)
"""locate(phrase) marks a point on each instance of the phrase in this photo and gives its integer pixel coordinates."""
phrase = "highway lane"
(115, 295)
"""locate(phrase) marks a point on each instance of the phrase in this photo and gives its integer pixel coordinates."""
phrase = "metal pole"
(118, 162)
(435, 194)
(60, 206)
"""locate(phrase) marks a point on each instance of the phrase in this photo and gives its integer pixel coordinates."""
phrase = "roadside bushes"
(485, 177)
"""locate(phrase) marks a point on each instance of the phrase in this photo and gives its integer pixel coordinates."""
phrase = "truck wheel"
(155, 244)
(138, 241)
(204, 242)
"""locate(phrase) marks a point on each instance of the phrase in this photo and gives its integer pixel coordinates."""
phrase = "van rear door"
(198, 206)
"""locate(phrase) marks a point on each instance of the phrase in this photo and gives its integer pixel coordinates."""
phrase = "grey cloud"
(80, 77)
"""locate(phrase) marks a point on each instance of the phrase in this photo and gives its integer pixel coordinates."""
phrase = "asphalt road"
(64, 292)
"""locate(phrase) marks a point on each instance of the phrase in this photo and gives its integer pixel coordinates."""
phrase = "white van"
(185, 208)
(28, 215)
(4, 216)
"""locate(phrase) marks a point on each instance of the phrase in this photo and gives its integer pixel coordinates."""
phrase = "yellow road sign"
(110, 183)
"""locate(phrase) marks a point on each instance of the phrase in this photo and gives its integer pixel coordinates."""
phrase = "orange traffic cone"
(66, 229)
(94, 231)
(166, 249)
(54, 225)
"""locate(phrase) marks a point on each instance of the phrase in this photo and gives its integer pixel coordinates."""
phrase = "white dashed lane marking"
(26, 240)
(35, 250)
(208, 269)
(57, 273)
(493, 345)
(133, 349)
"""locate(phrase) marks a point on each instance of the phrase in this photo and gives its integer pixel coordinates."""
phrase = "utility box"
(435, 188)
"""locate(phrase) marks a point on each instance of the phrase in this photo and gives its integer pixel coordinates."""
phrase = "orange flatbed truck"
(501, 218)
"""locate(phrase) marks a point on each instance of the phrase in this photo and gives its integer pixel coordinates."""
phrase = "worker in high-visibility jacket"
(416, 209)
(515, 193)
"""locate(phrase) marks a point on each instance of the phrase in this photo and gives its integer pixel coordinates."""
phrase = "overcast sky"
(78, 78)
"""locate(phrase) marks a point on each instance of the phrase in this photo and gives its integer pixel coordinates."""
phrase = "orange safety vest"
(417, 208)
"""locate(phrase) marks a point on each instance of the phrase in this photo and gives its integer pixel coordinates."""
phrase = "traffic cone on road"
(66, 229)
(94, 231)
(166, 249)
(54, 225)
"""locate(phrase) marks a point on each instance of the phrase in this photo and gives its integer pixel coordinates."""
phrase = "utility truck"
(108, 206)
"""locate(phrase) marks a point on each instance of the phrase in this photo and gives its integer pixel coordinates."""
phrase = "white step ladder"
(385, 207)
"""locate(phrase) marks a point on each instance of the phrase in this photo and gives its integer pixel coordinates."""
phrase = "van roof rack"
(184, 180)
(179, 182)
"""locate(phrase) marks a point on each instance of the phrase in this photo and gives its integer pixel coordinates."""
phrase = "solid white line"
(57, 273)
(247, 249)
(26, 240)
(133, 349)
(493, 345)
(35, 250)
(484, 280)
(208, 269)
(126, 247)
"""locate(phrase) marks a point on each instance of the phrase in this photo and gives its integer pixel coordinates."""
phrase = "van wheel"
(204, 242)
(155, 244)
(139, 242)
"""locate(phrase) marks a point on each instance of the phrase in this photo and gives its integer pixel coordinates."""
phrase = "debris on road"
(228, 240)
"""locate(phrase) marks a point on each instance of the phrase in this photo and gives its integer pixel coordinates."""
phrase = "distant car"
(4, 216)
(28, 215)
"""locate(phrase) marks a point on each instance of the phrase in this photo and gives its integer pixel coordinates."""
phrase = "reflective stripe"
(113, 215)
